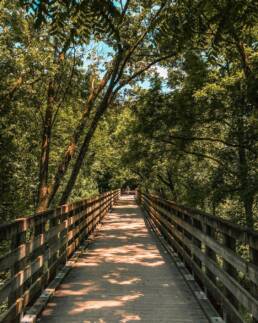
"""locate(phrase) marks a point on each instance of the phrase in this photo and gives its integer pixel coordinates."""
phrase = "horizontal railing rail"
(35, 248)
(128, 192)
(222, 256)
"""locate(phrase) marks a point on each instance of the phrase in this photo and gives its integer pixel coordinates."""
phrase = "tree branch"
(140, 39)
(140, 71)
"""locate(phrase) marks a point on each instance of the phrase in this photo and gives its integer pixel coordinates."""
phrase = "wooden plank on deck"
(124, 276)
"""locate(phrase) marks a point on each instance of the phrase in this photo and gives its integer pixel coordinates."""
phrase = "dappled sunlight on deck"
(100, 304)
(123, 277)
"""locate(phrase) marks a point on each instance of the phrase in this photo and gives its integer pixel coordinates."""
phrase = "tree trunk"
(84, 148)
(45, 150)
(169, 183)
(246, 194)
(79, 160)
(71, 149)
(68, 155)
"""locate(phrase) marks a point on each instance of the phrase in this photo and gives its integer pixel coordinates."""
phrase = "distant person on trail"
(127, 190)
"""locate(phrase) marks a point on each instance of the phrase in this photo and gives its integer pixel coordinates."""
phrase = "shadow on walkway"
(124, 277)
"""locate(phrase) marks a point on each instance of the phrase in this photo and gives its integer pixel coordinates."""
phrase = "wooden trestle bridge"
(115, 258)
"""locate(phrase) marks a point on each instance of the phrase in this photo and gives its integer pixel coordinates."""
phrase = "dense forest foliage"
(97, 95)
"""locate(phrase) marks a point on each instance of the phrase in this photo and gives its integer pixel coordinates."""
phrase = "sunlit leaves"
(74, 21)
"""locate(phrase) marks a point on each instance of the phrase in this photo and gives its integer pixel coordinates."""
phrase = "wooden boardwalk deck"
(124, 276)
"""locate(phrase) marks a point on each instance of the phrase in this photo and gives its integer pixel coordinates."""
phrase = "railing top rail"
(22, 224)
(236, 228)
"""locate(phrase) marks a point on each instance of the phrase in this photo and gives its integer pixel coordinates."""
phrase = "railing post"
(53, 223)
(63, 234)
(197, 243)
(210, 254)
(112, 199)
(254, 287)
(229, 243)
(18, 239)
(139, 196)
(99, 210)
(102, 207)
(39, 229)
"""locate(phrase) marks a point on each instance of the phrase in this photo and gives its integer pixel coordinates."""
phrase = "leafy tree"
(77, 121)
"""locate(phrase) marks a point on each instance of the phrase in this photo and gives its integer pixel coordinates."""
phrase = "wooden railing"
(222, 256)
(33, 249)
(128, 192)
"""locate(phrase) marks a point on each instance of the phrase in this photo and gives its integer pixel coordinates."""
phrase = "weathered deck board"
(125, 276)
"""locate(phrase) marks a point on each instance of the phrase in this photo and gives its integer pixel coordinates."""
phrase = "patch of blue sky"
(118, 3)
(163, 74)
(97, 52)
(101, 53)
